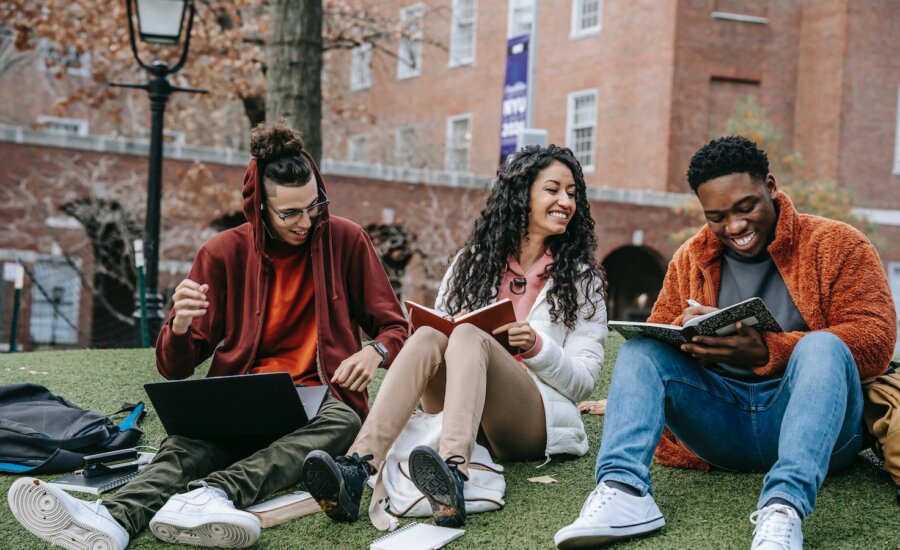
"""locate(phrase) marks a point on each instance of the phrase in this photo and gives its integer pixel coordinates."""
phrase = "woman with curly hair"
(534, 244)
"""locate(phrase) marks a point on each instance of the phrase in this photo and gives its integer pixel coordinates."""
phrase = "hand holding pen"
(695, 309)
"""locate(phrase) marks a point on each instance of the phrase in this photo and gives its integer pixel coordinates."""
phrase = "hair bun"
(272, 140)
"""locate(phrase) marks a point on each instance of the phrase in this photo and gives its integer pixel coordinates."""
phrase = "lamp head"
(161, 21)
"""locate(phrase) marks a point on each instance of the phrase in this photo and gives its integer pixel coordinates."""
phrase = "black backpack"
(42, 433)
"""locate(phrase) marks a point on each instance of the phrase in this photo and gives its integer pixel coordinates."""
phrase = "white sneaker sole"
(217, 530)
(43, 510)
(578, 538)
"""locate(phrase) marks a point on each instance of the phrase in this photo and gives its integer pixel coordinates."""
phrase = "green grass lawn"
(854, 510)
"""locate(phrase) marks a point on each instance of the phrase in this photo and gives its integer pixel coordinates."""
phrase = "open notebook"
(752, 312)
(417, 536)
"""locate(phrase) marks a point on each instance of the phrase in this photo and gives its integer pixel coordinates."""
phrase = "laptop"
(229, 407)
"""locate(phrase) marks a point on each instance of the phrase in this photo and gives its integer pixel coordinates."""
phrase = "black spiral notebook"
(95, 485)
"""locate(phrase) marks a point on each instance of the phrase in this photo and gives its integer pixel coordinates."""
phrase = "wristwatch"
(382, 351)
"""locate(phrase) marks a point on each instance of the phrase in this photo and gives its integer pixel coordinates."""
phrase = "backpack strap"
(128, 433)
(60, 461)
(137, 410)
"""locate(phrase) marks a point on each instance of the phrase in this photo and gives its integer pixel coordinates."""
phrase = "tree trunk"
(293, 78)
(255, 109)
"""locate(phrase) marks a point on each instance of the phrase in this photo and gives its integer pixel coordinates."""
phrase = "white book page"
(435, 312)
(479, 310)
(278, 502)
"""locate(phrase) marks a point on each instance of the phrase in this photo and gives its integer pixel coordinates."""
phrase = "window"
(361, 67)
(726, 96)
(521, 17)
(462, 34)
(62, 126)
(409, 62)
(587, 17)
(405, 146)
(357, 149)
(897, 138)
(55, 294)
(582, 127)
(459, 141)
(74, 63)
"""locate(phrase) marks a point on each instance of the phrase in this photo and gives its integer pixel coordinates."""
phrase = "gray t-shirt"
(743, 279)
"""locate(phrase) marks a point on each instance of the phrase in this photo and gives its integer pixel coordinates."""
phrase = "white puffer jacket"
(566, 369)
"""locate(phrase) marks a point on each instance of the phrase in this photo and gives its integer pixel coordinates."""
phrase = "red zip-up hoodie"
(352, 291)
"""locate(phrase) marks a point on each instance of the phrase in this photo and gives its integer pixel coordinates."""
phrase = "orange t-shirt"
(288, 342)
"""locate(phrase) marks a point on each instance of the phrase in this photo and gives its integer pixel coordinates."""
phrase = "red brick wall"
(869, 106)
(708, 49)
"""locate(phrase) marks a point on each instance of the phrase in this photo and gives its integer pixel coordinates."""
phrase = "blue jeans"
(798, 427)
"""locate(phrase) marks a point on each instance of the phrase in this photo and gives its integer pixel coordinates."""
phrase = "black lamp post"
(160, 22)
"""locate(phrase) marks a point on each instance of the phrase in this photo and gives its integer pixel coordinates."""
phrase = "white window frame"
(451, 143)
(46, 326)
(80, 126)
(411, 46)
(358, 148)
(361, 67)
(571, 127)
(897, 138)
(578, 31)
(514, 7)
(457, 23)
(404, 153)
(84, 59)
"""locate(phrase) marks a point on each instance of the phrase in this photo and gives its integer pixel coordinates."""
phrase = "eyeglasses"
(290, 216)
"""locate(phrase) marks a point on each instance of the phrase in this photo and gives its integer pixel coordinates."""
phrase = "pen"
(694, 303)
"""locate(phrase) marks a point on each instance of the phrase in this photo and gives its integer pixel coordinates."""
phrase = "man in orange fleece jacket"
(789, 403)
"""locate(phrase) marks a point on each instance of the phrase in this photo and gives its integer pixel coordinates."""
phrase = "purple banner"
(514, 111)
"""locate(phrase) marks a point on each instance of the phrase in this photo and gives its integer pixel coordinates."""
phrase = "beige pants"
(474, 381)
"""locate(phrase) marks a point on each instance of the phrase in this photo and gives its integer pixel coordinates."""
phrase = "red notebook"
(487, 319)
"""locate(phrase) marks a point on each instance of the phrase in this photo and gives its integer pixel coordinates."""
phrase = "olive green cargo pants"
(246, 471)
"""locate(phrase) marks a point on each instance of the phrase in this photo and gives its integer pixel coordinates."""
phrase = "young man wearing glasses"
(288, 291)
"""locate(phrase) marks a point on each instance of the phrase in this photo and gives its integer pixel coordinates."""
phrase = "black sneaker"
(441, 483)
(336, 484)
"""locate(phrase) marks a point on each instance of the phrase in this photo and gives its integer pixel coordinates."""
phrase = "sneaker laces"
(454, 462)
(96, 506)
(597, 500)
(217, 493)
(774, 524)
(356, 460)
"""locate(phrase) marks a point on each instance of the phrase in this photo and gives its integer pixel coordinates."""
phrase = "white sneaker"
(204, 517)
(609, 515)
(777, 528)
(63, 520)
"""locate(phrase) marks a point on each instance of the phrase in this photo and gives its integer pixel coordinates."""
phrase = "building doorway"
(635, 275)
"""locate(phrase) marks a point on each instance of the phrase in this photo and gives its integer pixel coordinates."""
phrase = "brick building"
(634, 87)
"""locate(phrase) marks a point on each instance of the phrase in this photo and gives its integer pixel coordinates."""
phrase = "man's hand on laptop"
(356, 371)
(189, 301)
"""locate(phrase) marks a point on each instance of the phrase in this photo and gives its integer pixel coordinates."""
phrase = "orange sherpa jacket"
(833, 275)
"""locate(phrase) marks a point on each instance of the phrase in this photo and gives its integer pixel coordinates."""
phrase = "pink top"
(524, 295)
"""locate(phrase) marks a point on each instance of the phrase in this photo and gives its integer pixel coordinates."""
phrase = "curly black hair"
(724, 156)
(503, 225)
(278, 150)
